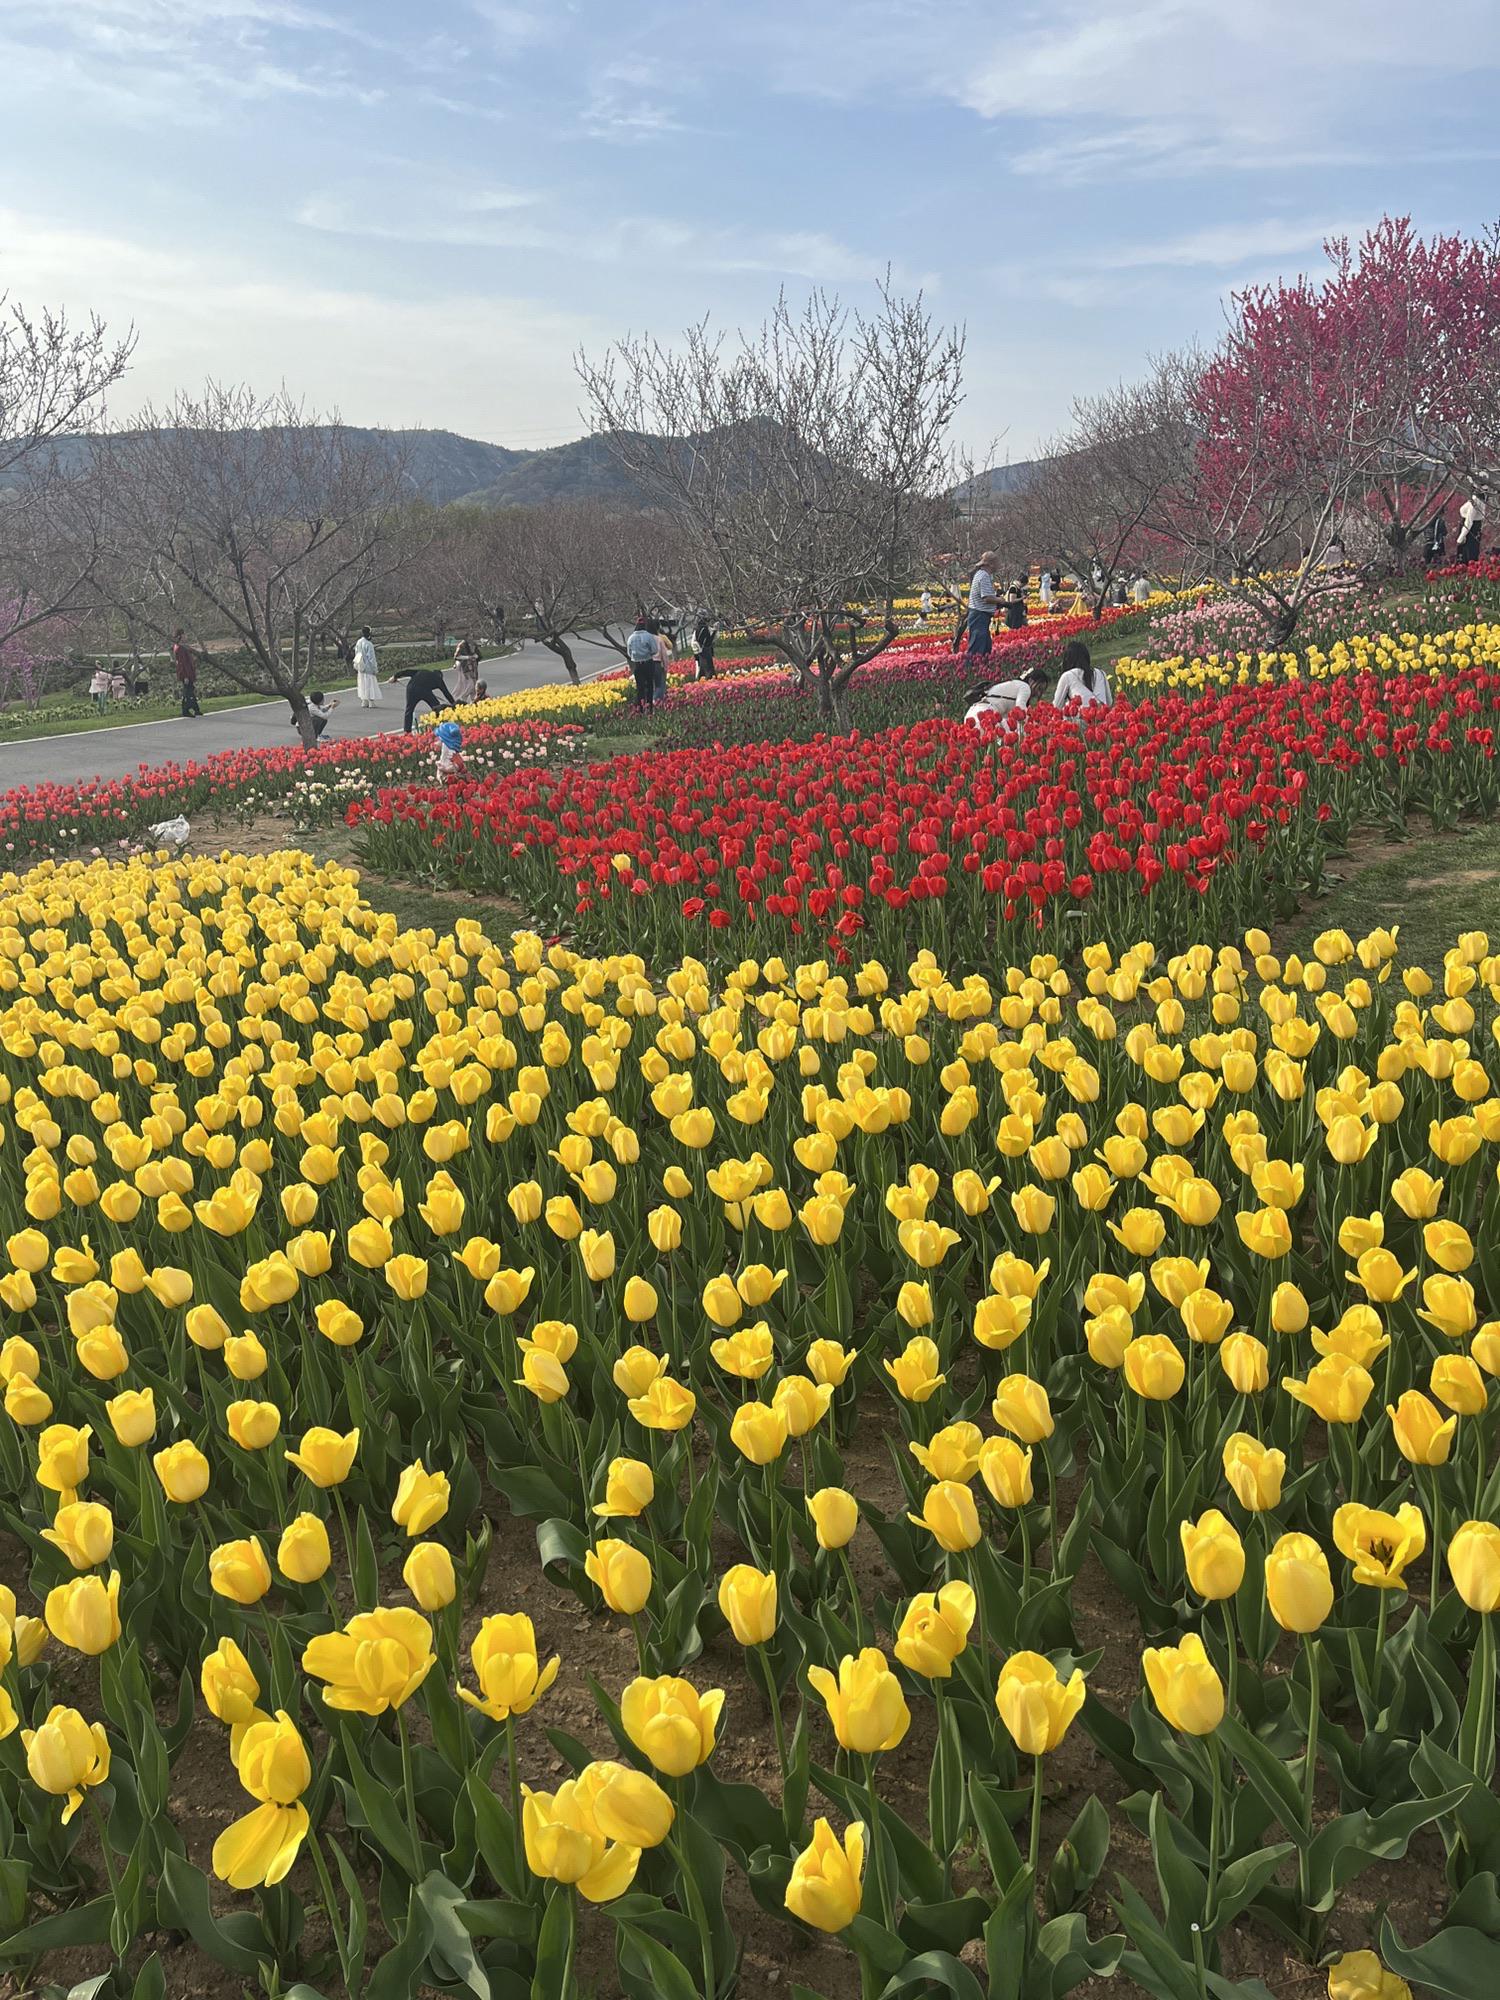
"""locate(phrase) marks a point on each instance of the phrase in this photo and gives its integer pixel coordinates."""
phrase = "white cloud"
(491, 366)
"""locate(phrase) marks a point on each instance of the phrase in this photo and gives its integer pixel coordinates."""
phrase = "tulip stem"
(1052, 1533)
(1309, 1765)
(343, 1514)
(104, 1848)
(1437, 1541)
(330, 1904)
(887, 1913)
(515, 1794)
(640, 1643)
(1025, 1562)
(1034, 1852)
(409, 1788)
(699, 1916)
(1216, 1814)
(1381, 1612)
(1226, 1605)
(773, 1697)
(859, 1623)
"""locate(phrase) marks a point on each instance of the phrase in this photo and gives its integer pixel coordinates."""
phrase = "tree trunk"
(306, 729)
(560, 646)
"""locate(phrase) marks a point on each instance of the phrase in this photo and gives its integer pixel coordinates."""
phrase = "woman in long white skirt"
(366, 680)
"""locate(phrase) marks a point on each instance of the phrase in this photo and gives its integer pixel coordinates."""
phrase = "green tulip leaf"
(934, 1971)
(1457, 1964)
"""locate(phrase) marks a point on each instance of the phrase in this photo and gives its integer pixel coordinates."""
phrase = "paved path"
(115, 753)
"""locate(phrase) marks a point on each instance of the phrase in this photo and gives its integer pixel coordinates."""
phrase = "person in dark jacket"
(423, 685)
(185, 662)
(703, 646)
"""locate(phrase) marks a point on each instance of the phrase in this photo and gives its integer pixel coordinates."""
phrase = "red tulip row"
(97, 812)
(1171, 817)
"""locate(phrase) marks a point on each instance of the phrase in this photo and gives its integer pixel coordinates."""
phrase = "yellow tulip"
(66, 1756)
(511, 1678)
(325, 1457)
(1154, 1367)
(747, 1599)
(758, 1432)
(183, 1472)
(338, 1323)
(1379, 1546)
(1337, 1389)
(303, 1553)
(670, 1723)
(84, 1531)
(748, 1353)
(1474, 1565)
(827, 1879)
(1299, 1588)
(596, 1248)
(377, 1662)
(917, 1370)
(252, 1425)
(205, 1328)
(63, 1457)
(1021, 1407)
(1246, 1363)
(1000, 1320)
(1185, 1686)
(951, 1453)
(132, 1415)
(1289, 1311)
(835, 1516)
(85, 1614)
(1423, 1435)
(1448, 1304)
(934, 1630)
(1456, 1382)
(1359, 1975)
(1254, 1472)
(564, 1843)
(1035, 1704)
(429, 1575)
(245, 1357)
(639, 1300)
(949, 1515)
(622, 1575)
(239, 1570)
(829, 1363)
(865, 1704)
(421, 1499)
(629, 1488)
(1214, 1554)
(667, 1405)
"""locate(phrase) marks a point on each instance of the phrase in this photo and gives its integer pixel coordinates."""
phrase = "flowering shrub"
(332, 1252)
(1189, 814)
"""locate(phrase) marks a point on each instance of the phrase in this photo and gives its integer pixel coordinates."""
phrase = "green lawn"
(1434, 887)
(17, 725)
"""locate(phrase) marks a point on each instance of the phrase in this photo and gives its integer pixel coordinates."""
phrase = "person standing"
(186, 665)
(703, 646)
(640, 653)
(99, 686)
(983, 604)
(1436, 551)
(465, 670)
(424, 686)
(1015, 606)
(366, 675)
(1047, 592)
(924, 611)
(1140, 590)
(1471, 528)
(663, 660)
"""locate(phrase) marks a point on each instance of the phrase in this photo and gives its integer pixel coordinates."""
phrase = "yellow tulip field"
(527, 1473)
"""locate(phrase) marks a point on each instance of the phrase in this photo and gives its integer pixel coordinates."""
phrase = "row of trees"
(782, 475)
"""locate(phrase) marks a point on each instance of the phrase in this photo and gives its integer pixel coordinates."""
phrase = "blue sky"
(417, 210)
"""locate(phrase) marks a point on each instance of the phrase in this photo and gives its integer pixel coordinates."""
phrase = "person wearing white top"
(1045, 590)
(1080, 680)
(1471, 530)
(1140, 590)
(1006, 698)
(366, 679)
(925, 611)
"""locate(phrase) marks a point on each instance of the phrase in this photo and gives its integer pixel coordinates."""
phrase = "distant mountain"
(444, 467)
(995, 484)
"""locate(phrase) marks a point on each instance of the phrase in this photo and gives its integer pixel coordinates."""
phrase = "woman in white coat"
(366, 681)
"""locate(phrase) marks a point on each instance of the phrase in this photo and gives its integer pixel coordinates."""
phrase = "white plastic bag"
(171, 832)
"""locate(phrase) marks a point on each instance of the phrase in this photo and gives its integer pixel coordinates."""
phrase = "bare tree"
(567, 567)
(801, 463)
(1096, 491)
(230, 514)
(54, 377)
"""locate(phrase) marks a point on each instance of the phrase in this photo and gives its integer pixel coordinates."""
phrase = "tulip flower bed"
(338, 1261)
(1435, 646)
(307, 788)
(1186, 816)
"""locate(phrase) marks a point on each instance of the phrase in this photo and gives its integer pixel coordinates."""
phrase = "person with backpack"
(640, 652)
(1003, 699)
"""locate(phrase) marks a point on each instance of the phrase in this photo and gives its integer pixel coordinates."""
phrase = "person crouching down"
(449, 741)
(1003, 699)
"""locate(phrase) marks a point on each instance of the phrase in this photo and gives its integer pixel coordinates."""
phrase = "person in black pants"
(423, 684)
(703, 646)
